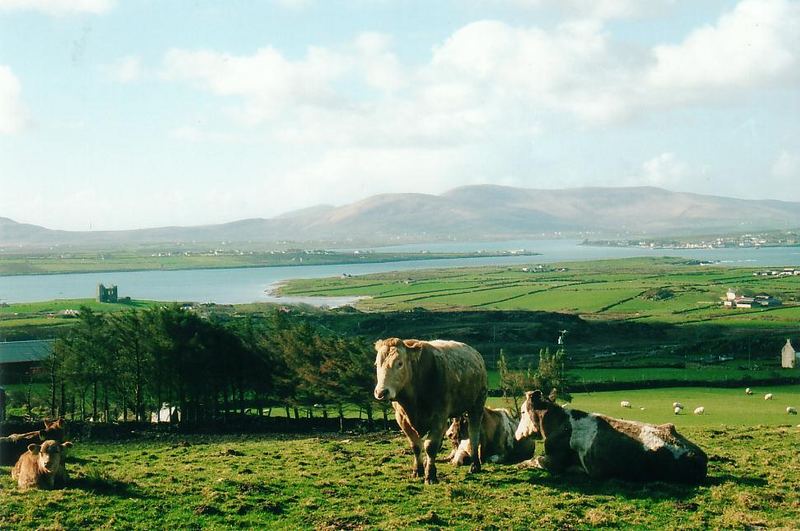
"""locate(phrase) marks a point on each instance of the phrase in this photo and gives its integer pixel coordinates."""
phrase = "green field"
(50, 313)
(218, 256)
(333, 481)
(664, 290)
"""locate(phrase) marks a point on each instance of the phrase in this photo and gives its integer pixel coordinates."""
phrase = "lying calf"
(605, 447)
(42, 466)
(497, 441)
(16, 444)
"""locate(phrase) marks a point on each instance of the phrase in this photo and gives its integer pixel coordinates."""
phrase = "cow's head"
(49, 454)
(532, 412)
(57, 424)
(458, 430)
(393, 363)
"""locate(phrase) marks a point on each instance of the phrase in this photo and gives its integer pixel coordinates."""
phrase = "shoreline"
(403, 257)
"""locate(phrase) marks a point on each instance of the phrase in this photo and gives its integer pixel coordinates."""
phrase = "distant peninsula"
(48, 263)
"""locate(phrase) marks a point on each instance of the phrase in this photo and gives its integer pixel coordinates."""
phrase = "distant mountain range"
(483, 212)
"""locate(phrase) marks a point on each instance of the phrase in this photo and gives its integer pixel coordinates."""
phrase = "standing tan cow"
(429, 382)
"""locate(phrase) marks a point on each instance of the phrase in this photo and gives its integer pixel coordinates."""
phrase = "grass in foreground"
(333, 481)
(351, 482)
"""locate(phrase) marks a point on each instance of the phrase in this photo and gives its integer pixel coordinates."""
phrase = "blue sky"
(123, 114)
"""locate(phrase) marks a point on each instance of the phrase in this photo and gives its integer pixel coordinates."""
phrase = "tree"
(513, 384)
(551, 374)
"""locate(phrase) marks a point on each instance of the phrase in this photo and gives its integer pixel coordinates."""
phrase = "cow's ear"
(553, 395)
(537, 399)
(414, 348)
(33, 448)
(67, 444)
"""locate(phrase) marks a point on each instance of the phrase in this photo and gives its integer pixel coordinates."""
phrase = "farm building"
(18, 358)
(732, 300)
(167, 413)
(788, 356)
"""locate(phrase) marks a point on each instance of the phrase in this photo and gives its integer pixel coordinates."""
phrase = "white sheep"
(699, 410)
(748, 391)
(768, 396)
(791, 410)
(625, 403)
(678, 410)
(677, 405)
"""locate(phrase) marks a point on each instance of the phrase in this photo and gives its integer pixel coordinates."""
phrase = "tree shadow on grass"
(581, 484)
(102, 484)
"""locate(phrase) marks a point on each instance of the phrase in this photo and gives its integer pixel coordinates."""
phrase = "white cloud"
(343, 175)
(786, 166)
(357, 111)
(664, 170)
(756, 44)
(595, 9)
(268, 82)
(126, 69)
(58, 7)
(489, 73)
(12, 112)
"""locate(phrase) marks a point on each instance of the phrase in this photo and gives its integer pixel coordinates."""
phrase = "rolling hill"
(479, 212)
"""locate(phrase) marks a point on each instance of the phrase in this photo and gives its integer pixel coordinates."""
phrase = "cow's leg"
(416, 449)
(413, 440)
(475, 418)
(556, 458)
(433, 442)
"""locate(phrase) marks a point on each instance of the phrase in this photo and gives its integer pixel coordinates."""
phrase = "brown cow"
(606, 447)
(497, 441)
(14, 445)
(429, 382)
(42, 466)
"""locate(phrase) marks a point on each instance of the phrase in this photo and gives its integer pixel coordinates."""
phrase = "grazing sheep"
(699, 410)
(791, 410)
(748, 391)
(768, 396)
(677, 405)
(625, 403)
(677, 410)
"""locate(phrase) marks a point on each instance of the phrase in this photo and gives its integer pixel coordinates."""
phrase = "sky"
(118, 114)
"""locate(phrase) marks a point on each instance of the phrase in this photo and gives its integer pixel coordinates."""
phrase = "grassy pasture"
(46, 313)
(332, 481)
(608, 289)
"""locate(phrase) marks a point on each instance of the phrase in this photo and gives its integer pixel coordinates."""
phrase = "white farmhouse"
(788, 356)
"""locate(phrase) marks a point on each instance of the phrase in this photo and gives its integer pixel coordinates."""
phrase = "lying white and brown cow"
(428, 383)
(605, 447)
(497, 441)
(14, 445)
(42, 466)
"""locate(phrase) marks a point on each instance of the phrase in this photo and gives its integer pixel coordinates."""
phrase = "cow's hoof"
(418, 472)
(431, 481)
(476, 467)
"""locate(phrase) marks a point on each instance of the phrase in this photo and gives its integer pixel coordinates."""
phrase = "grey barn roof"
(25, 351)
